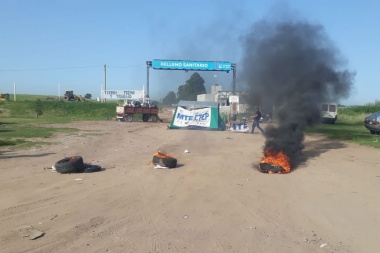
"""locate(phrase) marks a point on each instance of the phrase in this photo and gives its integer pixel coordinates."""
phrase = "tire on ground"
(129, 118)
(92, 168)
(72, 164)
(154, 118)
(165, 162)
(145, 117)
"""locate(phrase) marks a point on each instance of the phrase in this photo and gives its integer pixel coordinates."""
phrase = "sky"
(49, 46)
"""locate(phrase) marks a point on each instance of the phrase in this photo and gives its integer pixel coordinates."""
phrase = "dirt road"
(215, 201)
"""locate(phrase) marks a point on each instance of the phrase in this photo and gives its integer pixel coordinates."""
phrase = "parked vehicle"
(372, 123)
(329, 113)
(4, 97)
(125, 113)
(70, 96)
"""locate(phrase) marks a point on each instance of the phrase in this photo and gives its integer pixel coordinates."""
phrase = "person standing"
(256, 121)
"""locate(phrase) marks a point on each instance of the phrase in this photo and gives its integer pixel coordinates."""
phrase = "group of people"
(135, 103)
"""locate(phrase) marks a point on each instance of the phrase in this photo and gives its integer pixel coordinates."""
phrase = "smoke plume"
(292, 67)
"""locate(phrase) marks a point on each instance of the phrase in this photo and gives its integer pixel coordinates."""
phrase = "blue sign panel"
(192, 65)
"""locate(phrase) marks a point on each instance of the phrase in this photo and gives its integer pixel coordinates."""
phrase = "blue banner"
(192, 65)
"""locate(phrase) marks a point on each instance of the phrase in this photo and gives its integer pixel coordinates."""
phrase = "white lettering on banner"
(196, 65)
(123, 94)
(197, 117)
(171, 64)
(239, 127)
(186, 64)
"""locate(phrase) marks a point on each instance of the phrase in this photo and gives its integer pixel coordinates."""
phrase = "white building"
(222, 97)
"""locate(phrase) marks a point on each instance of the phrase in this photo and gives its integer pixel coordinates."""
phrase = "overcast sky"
(46, 44)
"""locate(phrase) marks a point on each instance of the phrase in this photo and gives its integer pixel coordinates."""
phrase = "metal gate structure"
(192, 66)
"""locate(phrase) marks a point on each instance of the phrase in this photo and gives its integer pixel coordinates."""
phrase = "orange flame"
(161, 155)
(276, 157)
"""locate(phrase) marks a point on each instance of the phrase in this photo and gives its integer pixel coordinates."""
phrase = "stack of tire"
(74, 164)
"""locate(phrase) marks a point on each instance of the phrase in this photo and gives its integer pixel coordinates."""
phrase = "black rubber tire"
(145, 117)
(129, 117)
(154, 118)
(72, 164)
(92, 168)
(165, 162)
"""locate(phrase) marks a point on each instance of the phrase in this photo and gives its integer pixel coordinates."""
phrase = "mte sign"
(192, 65)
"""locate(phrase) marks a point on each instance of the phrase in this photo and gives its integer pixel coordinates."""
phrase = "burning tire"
(164, 161)
(274, 161)
(270, 168)
(72, 164)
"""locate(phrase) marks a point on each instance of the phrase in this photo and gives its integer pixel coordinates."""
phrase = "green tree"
(193, 87)
(38, 107)
(170, 99)
(88, 96)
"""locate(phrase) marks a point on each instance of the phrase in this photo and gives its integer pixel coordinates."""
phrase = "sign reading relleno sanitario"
(192, 65)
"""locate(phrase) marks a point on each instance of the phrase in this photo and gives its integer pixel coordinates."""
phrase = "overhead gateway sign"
(192, 65)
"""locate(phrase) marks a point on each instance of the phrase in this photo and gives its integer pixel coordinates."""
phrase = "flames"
(162, 155)
(275, 158)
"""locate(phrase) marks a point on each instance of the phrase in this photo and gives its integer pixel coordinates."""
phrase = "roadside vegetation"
(349, 126)
(27, 121)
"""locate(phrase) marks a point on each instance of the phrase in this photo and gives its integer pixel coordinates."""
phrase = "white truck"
(329, 113)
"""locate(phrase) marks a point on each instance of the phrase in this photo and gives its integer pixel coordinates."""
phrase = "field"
(19, 122)
(214, 201)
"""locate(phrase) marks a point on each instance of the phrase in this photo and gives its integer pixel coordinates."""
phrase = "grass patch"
(345, 130)
(30, 131)
(32, 144)
(20, 134)
(58, 111)
(8, 142)
(20, 127)
(19, 122)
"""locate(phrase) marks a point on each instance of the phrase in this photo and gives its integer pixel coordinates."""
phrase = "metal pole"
(59, 91)
(148, 65)
(233, 78)
(14, 91)
(105, 78)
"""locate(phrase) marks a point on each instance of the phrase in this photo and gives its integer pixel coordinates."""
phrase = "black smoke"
(292, 67)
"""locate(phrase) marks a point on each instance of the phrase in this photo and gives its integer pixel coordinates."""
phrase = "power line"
(81, 67)
(127, 67)
(42, 69)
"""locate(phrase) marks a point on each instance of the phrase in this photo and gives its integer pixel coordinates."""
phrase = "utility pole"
(233, 65)
(14, 91)
(148, 65)
(105, 79)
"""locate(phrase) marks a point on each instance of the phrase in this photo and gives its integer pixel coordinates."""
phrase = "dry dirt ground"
(215, 201)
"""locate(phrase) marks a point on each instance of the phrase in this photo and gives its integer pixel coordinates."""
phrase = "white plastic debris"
(186, 151)
(78, 179)
(323, 245)
(157, 166)
(185, 216)
(29, 231)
